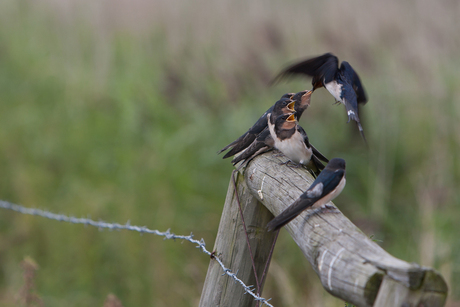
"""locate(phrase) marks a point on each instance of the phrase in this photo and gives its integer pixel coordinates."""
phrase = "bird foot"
(328, 208)
(289, 163)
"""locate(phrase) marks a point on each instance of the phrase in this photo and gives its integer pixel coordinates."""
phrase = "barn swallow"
(284, 105)
(343, 83)
(292, 140)
(327, 186)
(265, 142)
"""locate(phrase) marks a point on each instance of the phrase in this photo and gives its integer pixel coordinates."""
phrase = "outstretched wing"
(320, 67)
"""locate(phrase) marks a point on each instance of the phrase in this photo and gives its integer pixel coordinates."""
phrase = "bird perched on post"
(343, 83)
(284, 105)
(258, 138)
(265, 142)
(288, 103)
(292, 140)
(327, 186)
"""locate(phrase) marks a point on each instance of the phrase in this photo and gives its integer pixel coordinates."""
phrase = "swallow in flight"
(343, 83)
(325, 188)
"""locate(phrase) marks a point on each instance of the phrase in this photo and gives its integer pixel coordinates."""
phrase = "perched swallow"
(284, 105)
(343, 83)
(325, 188)
(292, 140)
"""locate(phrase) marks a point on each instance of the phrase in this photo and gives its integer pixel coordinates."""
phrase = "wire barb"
(101, 225)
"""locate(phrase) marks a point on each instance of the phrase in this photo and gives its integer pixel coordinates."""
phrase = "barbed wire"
(141, 229)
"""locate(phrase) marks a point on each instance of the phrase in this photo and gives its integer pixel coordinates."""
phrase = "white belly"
(295, 149)
(335, 89)
(331, 195)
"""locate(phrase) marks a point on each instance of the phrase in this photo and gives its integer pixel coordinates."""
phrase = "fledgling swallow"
(284, 105)
(292, 140)
(264, 141)
(251, 144)
(327, 186)
(343, 83)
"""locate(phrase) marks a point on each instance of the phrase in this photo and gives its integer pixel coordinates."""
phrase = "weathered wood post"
(231, 247)
(350, 265)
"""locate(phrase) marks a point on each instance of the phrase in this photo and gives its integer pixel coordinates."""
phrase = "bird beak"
(306, 98)
(290, 106)
(291, 118)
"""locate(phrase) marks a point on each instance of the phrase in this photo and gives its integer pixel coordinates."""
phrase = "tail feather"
(239, 145)
(290, 213)
(226, 147)
(318, 154)
(315, 165)
(361, 131)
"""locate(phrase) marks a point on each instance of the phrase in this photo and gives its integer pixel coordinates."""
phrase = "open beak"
(290, 106)
(291, 118)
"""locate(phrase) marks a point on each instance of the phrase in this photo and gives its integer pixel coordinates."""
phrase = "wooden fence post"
(350, 265)
(231, 247)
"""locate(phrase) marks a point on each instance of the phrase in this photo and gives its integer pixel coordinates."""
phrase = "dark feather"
(249, 136)
(355, 81)
(263, 143)
(318, 154)
(320, 67)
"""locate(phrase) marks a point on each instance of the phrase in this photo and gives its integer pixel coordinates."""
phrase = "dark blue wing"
(330, 180)
(353, 79)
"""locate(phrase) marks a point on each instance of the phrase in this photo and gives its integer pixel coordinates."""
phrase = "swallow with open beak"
(327, 186)
(284, 105)
(292, 140)
(342, 82)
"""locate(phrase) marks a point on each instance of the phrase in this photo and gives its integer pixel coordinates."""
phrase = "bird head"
(283, 106)
(285, 121)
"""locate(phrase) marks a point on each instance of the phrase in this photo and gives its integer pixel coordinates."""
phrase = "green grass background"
(116, 109)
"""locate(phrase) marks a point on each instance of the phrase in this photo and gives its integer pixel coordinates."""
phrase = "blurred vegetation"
(115, 110)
